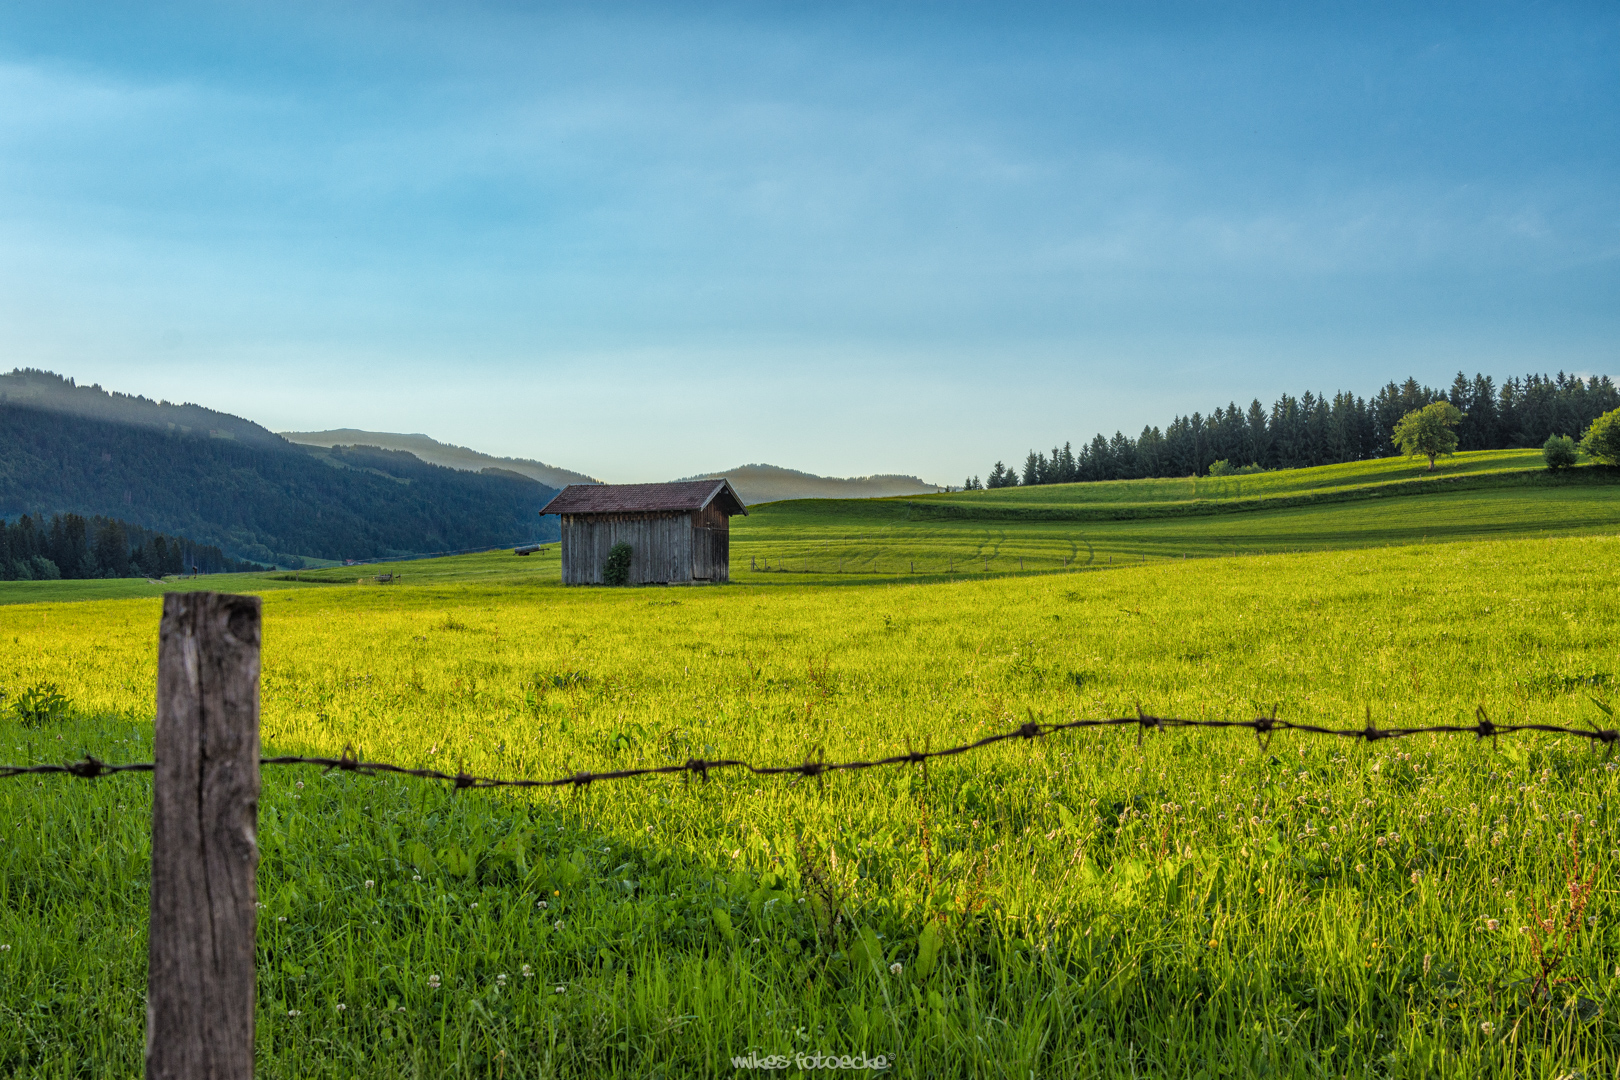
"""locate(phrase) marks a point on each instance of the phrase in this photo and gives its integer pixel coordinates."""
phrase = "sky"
(648, 241)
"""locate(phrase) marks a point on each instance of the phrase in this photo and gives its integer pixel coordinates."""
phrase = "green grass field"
(1197, 905)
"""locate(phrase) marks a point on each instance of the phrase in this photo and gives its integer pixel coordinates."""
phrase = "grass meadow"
(1198, 905)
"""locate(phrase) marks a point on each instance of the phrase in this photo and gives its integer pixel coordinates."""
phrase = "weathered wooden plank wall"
(660, 547)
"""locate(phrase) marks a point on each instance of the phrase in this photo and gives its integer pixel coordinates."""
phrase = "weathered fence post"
(205, 805)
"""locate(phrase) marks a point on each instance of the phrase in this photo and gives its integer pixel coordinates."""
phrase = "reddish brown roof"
(683, 497)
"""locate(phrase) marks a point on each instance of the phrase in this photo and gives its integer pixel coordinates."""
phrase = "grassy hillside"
(1196, 905)
(1491, 493)
(1076, 527)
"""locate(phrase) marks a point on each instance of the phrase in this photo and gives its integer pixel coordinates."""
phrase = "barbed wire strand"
(1264, 727)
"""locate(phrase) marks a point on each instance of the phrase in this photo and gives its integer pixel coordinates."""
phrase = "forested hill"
(1314, 429)
(47, 390)
(258, 500)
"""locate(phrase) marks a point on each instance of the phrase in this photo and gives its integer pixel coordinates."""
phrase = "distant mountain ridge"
(437, 453)
(47, 390)
(761, 483)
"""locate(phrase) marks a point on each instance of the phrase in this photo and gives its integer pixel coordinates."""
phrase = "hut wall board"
(660, 547)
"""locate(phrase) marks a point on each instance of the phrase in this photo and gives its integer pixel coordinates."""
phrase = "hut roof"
(677, 498)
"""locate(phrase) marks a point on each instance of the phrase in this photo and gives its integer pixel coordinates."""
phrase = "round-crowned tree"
(1426, 432)
(1602, 439)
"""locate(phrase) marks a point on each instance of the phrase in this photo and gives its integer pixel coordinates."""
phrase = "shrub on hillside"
(1226, 468)
(1559, 451)
(1602, 439)
(616, 570)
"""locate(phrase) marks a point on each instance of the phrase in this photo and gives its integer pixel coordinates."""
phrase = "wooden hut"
(677, 532)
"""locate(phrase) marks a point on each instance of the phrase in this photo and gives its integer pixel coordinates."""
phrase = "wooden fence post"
(205, 805)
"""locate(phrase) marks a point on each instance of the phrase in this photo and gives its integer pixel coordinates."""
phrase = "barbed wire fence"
(201, 980)
(1264, 727)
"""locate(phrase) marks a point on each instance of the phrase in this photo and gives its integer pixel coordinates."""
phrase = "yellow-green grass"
(489, 568)
(1061, 527)
(1341, 480)
(1064, 527)
(1197, 905)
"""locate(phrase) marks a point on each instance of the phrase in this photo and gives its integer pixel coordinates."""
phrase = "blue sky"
(647, 241)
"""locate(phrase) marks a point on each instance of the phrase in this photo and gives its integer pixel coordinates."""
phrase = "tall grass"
(1198, 905)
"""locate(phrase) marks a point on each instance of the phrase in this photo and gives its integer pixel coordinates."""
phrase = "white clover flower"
(1492, 924)
(1361, 868)
(528, 972)
(400, 1009)
(561, 989)
(475, 903)
(433, 982)
(370, 884)
(341, 1006)
(541, 904)
(500, 980)
(896, 968)
(416, 877)
(299, 785)
(5, 948)
(295, 1012)
(1417, 876)
(281, 918)
(1486, 1026)
(558, 925)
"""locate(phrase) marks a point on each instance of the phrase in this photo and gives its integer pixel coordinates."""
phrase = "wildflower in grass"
(370, 884)
(500, 980)
(1361, 868)
(1487, 1027)
(1382, 840)
(416, 877)
(341, 1006)
(475, 903)
(541, 905)
(561, 989)
(1417, 876)
(1591, 920)
(433, 982)
(295, 1012)
(5, 948)
(1492, 924)
(558, 925)
(299, 785)
(896, 968)
(281, 918)
(528, 972)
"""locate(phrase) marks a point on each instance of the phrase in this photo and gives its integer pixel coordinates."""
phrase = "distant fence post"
(205, 804)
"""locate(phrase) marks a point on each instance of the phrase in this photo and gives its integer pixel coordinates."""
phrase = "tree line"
(1314, 429)
(71, 546)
